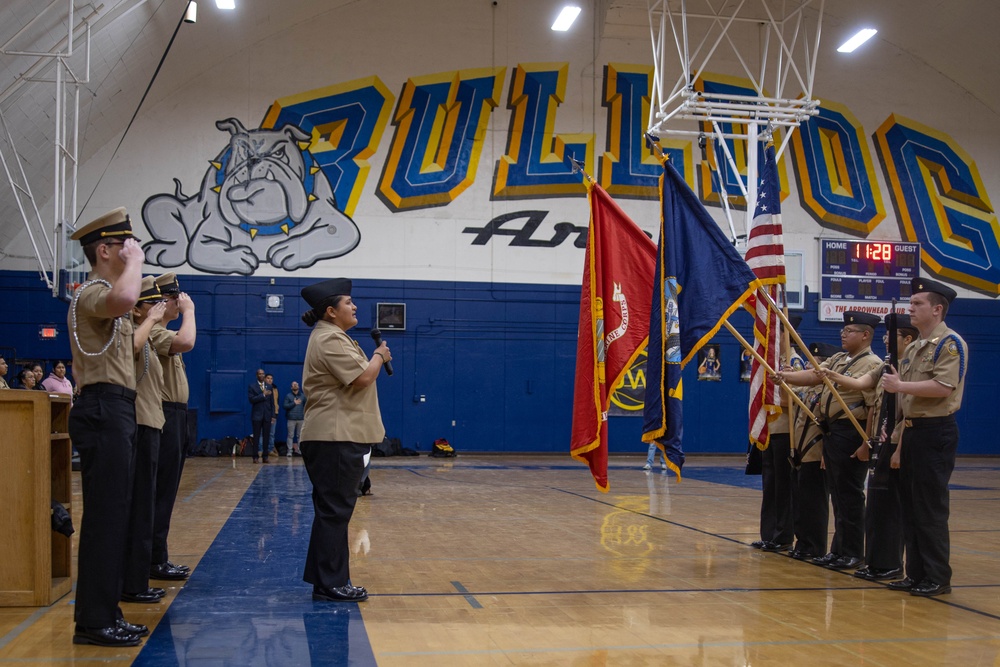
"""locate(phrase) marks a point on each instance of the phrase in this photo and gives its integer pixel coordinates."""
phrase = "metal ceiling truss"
(49, 242)
(788, 35)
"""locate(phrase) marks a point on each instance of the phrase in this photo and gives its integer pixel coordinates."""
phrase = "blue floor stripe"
(246, 603)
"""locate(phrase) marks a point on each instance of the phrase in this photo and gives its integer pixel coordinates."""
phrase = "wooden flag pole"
(763, 362)
(815, 364)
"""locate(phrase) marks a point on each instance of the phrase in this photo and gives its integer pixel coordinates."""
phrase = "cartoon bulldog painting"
(263, 199)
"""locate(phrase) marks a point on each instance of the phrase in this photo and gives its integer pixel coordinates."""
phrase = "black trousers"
(883, 516)
(102, 427)
(811, 508)
(776, 508)
(845, 477)
(926, 464)
(262, 435)
(335, 470)
(168, 476)
(139, 545)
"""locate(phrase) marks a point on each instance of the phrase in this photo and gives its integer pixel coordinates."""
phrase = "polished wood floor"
(490, 560)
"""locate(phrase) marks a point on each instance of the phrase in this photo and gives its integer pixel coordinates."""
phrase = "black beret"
(317, 293)
(168, 284)
(902, 322)
(918, 285)
(857, 317)
(115, 224)
(824, 349)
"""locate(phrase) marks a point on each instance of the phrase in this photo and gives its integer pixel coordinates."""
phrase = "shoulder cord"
(145, 365)
(76, 337)
(961, 353)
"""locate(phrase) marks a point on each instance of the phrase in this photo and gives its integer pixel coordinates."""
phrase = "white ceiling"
(128, 38)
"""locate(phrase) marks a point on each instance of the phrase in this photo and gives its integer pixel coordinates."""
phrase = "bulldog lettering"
(263, 199)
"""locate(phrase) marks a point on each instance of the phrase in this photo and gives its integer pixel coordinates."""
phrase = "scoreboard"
(865, 275)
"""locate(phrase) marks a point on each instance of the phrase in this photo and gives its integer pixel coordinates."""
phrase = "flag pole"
(815, 364)
(577, 167)
(763, 362)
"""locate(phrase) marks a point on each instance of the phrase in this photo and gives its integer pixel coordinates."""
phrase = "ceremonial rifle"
(881, 454)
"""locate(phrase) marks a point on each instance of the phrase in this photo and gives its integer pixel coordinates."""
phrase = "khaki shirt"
(149, 389)
(3, 384)
(94, 329)
(336, 410)
(859, 401)
(806, 430)
(949, 368)
(779, 422)
(175, 382)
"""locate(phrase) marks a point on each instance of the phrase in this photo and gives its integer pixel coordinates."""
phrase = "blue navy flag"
(700, 280)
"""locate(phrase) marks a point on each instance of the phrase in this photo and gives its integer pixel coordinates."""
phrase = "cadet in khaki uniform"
(845, 472)
(810, 497)
(883, 515)
(102, 423)
(342, 422)
(170, 346)
(149, 417)
(930, 384)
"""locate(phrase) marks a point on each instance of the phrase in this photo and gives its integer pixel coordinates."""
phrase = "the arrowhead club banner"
(615, 303)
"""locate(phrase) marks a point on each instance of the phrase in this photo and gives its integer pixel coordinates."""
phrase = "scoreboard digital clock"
(870, 259)
(865, 274)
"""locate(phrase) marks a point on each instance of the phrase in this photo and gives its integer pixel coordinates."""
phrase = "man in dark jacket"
(261, 413)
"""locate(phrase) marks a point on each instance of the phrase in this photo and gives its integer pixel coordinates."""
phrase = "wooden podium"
(34, 561)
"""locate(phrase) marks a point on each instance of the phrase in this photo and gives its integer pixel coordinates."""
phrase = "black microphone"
(377, 337)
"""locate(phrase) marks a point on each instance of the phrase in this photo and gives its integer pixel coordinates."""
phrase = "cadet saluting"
(102, 423)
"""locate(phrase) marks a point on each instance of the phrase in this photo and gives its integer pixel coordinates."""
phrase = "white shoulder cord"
(145, 359)
(76, 337)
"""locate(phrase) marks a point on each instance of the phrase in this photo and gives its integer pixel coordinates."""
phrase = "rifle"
(879, 463)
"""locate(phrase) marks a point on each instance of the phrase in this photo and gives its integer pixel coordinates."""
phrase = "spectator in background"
(39, 372)
(57, 382)
(25, 379)
(269, 379)
(3, 373)
(260, 394)
(295, 406)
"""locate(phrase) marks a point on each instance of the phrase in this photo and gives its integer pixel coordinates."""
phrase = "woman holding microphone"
(342, 422)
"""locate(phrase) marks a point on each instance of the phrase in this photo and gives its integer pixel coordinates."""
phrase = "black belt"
(927, 422)
(108, 389)
(175, 405)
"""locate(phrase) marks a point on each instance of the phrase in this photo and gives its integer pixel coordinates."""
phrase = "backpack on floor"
(442, 449)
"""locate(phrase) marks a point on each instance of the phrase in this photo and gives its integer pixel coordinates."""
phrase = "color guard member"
(930, 384)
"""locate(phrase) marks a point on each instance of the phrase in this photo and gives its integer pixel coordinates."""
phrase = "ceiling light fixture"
(860, 38)
(566, 18)
(225, 4)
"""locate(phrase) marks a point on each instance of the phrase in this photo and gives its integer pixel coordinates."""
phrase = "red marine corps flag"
(615, 301)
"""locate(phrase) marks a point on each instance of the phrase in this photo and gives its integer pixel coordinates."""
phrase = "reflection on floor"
(491, 560)
(246, 603)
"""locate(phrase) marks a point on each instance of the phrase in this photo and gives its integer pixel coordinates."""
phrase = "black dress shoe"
(757, 544)
(845, 563)
(136, 629)
(799, 554)
(825, 560)
(877, 574)
(929, 589)
(346, 593)
(110, 636)
(774, 546)
(182, 568)
(165, 572)
(158, 592)
(147, 596)
(903, 584)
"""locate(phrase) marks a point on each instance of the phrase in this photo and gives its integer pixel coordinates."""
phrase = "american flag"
(766, 256)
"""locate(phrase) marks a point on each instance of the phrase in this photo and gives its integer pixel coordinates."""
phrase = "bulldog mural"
(263, 199)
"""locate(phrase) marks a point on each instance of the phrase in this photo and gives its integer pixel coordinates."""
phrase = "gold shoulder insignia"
(953, 348)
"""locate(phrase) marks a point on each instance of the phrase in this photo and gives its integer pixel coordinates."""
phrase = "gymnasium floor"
(489, 560)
